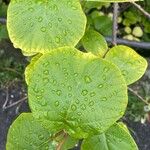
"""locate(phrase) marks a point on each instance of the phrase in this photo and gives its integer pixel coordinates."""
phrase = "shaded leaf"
(103, 24)
(3, 32)
(95, 43)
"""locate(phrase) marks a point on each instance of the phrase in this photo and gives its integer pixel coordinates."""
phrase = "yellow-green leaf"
(37, 26)
(116, 137)
(131, 64)
(27, 134)
(95, 43)
(66, 84)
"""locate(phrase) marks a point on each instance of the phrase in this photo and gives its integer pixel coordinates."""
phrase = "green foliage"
(131, 64)
(3, 9)
(116, 137)
(72, 95)
(27, 133)
(10, 69)
(103, 24)
(3, 29)
(3, 32)
(95, 43)
(75, 82)
(65, 17)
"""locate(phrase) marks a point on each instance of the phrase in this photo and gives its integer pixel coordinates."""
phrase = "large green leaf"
(66, 86)
(116, 137)
(131, 64)
(27, 134)
(95, 43)
(42, 25)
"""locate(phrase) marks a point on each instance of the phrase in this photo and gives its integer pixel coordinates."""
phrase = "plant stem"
(143, 45)
(145, 13)
(15, 103)
(139, 96)
(115, 23)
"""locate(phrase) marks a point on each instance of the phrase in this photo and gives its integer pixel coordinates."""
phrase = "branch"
(115, 23)
(2, 20)
(143, 45)
(146, 14)
(6, 100)
(139, 96)
(15, 103)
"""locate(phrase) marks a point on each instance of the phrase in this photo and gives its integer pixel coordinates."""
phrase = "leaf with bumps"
(116, 137)
(37, 26)
(26, 134)
(95, 43)
(131, 64)
(67, 85)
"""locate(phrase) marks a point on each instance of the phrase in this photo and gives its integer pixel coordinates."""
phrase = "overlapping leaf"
(116, 137)
(29, 68)
(39, 26)
(26, 134)
(95, 43)
(131, 64)
(66, 86)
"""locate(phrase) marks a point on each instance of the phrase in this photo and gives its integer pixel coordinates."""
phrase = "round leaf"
(26, 134)
(39, 26)
(116, 137)
(76, 91)
(95, 43)
(131, 64)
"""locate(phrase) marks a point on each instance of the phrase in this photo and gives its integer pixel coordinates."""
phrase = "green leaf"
(103, 24)
(26, 134)
(116, 137)
(69, 143)
(3, 32)
(95, 43)
(67, 85)
(131, 64)
(39, 26)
